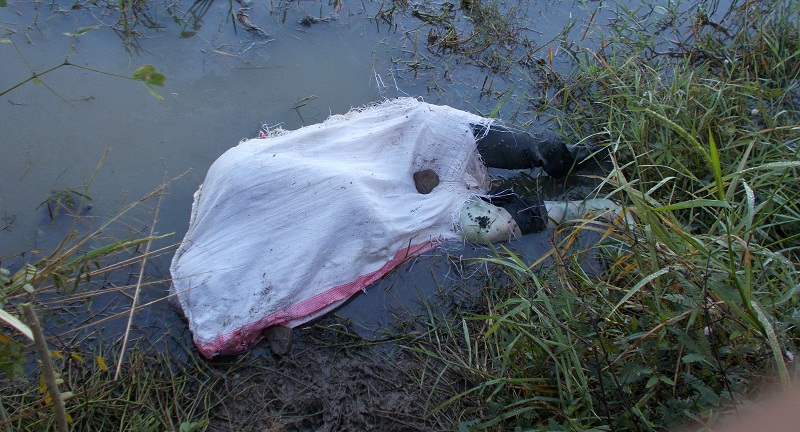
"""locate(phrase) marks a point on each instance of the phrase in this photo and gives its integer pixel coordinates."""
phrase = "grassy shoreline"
(696, 308)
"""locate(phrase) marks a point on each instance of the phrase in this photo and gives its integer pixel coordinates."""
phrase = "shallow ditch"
(223, 84)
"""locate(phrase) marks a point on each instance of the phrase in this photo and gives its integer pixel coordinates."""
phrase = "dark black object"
(510, 148)
(529, 213)
(426, 180)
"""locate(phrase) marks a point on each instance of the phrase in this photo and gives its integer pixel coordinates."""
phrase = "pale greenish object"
(482, 222)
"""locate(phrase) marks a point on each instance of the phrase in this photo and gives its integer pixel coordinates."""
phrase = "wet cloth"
(286, 228)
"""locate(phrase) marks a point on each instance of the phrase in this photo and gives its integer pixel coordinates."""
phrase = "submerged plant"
(146, 74)
(47, 288)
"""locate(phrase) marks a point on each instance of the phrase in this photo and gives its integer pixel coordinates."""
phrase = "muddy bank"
(330, 381)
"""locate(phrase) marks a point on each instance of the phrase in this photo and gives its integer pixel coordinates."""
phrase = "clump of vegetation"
(151, 394)
(694, 306)
(57, 378)
(447, 36)
(485, 34)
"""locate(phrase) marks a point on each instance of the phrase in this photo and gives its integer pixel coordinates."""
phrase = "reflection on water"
(223, 83)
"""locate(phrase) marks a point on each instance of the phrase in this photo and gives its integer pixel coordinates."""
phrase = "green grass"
(147, 392)
(695, 307)
(150, 395)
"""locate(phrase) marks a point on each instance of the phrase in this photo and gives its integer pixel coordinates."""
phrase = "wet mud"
(327, 382)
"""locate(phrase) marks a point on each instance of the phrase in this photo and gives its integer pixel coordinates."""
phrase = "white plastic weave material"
(286, 228)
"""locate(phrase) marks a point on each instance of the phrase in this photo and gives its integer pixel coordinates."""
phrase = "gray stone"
(426, 180)
(279, 338)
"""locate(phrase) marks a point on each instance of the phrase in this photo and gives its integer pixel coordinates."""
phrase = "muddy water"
(223, 83)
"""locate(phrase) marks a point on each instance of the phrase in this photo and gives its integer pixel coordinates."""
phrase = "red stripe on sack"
(238, 340)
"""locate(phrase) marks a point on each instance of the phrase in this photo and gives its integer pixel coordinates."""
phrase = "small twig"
(305, 101)
(138, 287)
(47, 366)
(222, 53)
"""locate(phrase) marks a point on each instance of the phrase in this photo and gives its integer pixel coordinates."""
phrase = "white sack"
(288, 227)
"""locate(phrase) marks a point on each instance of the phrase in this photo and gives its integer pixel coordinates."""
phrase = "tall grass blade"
(632, 292)
(777, 353)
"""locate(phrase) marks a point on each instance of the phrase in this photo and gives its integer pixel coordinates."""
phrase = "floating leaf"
(149, 75)
(153, 91)
(5, 40)
(101, 363)
(3, 3)
(82, 31)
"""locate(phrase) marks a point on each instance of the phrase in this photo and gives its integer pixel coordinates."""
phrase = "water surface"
(223, 83)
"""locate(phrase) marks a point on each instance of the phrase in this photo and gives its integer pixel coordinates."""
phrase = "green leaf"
(716, 168)
(637, 287)
(16, 323)
(772, 338)
(773, 166)
(5, 40)
(193, 426)
(693, 204)
(106, 250)
(149, 75)
(82, 30)
(3, 3)
(693, 358)
(153, 92)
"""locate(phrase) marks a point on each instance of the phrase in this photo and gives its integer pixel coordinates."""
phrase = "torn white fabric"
(286, 228)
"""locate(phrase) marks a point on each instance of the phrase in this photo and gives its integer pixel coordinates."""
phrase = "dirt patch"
(330, 381)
